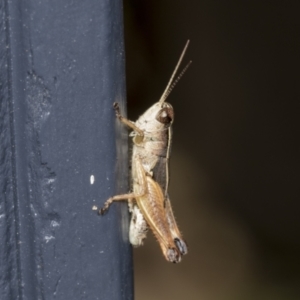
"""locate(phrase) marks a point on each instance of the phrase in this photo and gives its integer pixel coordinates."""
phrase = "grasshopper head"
(158, 117)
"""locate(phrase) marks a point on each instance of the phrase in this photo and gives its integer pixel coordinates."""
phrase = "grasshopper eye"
(165, 115)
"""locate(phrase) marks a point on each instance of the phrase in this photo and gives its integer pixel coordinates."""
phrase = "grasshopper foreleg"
(127, 122)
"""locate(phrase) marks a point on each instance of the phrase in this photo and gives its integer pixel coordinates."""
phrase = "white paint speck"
(92, 179)
(50, 180)
(54, 224)
(48, 238)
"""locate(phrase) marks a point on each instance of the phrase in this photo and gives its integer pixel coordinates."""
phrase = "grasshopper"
(149, 202)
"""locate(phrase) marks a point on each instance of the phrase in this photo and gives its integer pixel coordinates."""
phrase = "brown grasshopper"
(149, 202)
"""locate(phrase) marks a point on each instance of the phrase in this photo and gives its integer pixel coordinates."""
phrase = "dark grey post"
(62, 151)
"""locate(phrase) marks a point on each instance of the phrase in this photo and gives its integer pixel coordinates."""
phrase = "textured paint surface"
(61, 68)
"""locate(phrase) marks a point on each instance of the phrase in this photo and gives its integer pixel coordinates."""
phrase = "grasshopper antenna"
(168, 89)
(175, 81)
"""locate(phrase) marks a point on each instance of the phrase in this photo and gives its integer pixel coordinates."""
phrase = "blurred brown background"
(235, 158)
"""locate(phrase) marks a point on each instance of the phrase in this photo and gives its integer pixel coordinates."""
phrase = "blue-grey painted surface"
(61, 69)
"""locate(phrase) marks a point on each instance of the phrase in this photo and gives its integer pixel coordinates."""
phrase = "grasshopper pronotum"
(149, 201)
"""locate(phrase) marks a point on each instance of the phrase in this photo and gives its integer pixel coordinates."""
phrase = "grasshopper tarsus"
(173, 255)
(116, 106)
(117, 110)
(181, 245)
(102, 211)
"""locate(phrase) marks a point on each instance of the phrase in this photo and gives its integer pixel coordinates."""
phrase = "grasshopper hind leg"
(178, 240)
(181, 245)
(173, 255)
